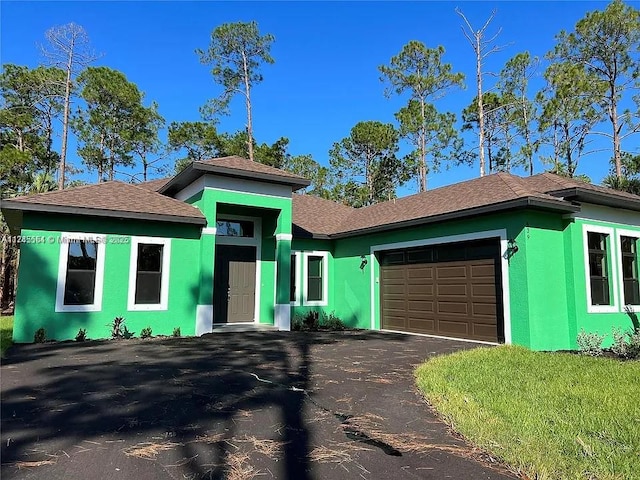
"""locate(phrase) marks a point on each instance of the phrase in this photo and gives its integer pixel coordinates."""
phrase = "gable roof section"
(154, 185)
(233, 166)
(317, 217)
(489, 194)
(109, 199)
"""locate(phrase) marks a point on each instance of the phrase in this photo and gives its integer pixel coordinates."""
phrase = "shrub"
(331, 322)
(82, 335)
(126, 334)
(146, 333)
(590, 343)
(312, 322)
(40, 336)
(176, 332)
(626, 344)
(116, 327)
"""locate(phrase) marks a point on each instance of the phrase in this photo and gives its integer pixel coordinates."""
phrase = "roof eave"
(527, 202)
(598, 198)
(196, 169)
(97, 212)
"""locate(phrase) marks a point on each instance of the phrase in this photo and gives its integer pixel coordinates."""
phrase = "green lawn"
(550, 415)
(6, 331)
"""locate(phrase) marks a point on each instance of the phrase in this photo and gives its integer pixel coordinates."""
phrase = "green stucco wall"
(38, 272)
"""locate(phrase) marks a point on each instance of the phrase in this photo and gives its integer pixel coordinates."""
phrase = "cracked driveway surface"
(330, 405)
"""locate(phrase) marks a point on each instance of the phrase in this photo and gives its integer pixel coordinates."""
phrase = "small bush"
(146, 333)
(626, 344)
(82, 335)
(331, 322)
(590, 343)
(633, 348)
(40, 336)
(176, 332)
(126, 334)
(312, 322)
(116, 327)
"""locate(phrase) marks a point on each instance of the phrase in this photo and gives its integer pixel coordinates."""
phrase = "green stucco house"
(499, 259)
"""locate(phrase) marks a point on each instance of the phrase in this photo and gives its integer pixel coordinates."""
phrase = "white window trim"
(325, 280)
(613, 263)
(297, 265)
(65, 238)
(625, 233)
(164, 281)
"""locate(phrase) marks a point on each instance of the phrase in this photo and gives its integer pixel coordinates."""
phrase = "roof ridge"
(519, 192)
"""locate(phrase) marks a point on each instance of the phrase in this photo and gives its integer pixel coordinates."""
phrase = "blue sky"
(325, 78)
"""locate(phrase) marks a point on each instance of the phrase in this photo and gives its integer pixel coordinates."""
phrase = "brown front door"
(234, 284)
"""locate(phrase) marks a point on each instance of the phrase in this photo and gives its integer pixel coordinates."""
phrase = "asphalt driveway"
(235, 405)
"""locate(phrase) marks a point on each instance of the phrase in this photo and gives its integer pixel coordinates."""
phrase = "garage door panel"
(451, 272)
(422, 325)
(456, 298)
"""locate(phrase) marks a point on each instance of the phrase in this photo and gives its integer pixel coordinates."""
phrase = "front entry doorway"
(234, 284)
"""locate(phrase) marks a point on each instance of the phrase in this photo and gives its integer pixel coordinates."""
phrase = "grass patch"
(6, 334)
(549, 415)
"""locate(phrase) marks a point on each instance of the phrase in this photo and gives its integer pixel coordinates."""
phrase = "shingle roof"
(491, 193)
(112, 199)
(316, 216)
(239, 163)
(154, 185)
(550, 183)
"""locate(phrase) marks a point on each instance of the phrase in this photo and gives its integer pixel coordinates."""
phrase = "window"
(315, 278)
(293, 297)
(598, 269)
(80, 284)
(80, 273)
(629, 259)
(149, 273)
(234, 228)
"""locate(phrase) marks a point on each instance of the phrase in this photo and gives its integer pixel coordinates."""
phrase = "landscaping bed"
(550, 416)
(6, 334)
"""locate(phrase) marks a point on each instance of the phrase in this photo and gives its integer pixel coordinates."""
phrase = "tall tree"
(70, 49)
(420, 71)
(30, 102)
(482, 48)
(200, 139)
(113, 105)
(366, 165)
(319, 176)
(142, 135)
(606, 44)
(431, 133)
(493, 120)
(513, 86)
(236, 53)
(567, 114)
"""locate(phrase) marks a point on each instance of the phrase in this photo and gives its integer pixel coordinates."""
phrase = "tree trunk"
(616, 133)
(247, 91)
(480, 105)
(423, 150)
(570, 167)
(65, 120)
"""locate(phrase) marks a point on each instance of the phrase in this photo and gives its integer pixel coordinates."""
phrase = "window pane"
(392, 258)
(314, 292)
(598, 269)
(234, 228)
(81, 273)
(599, 291)
(150, 257)
(82, 255)
(79, 287)
(292, 295)
(148, 288)
(315, 266)
(628, 247)
(149, 274)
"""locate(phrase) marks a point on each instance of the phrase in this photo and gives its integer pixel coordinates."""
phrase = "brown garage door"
(448, 290)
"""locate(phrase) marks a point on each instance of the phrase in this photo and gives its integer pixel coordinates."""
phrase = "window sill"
(602, 309)
(147, 308)
(78, 308)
